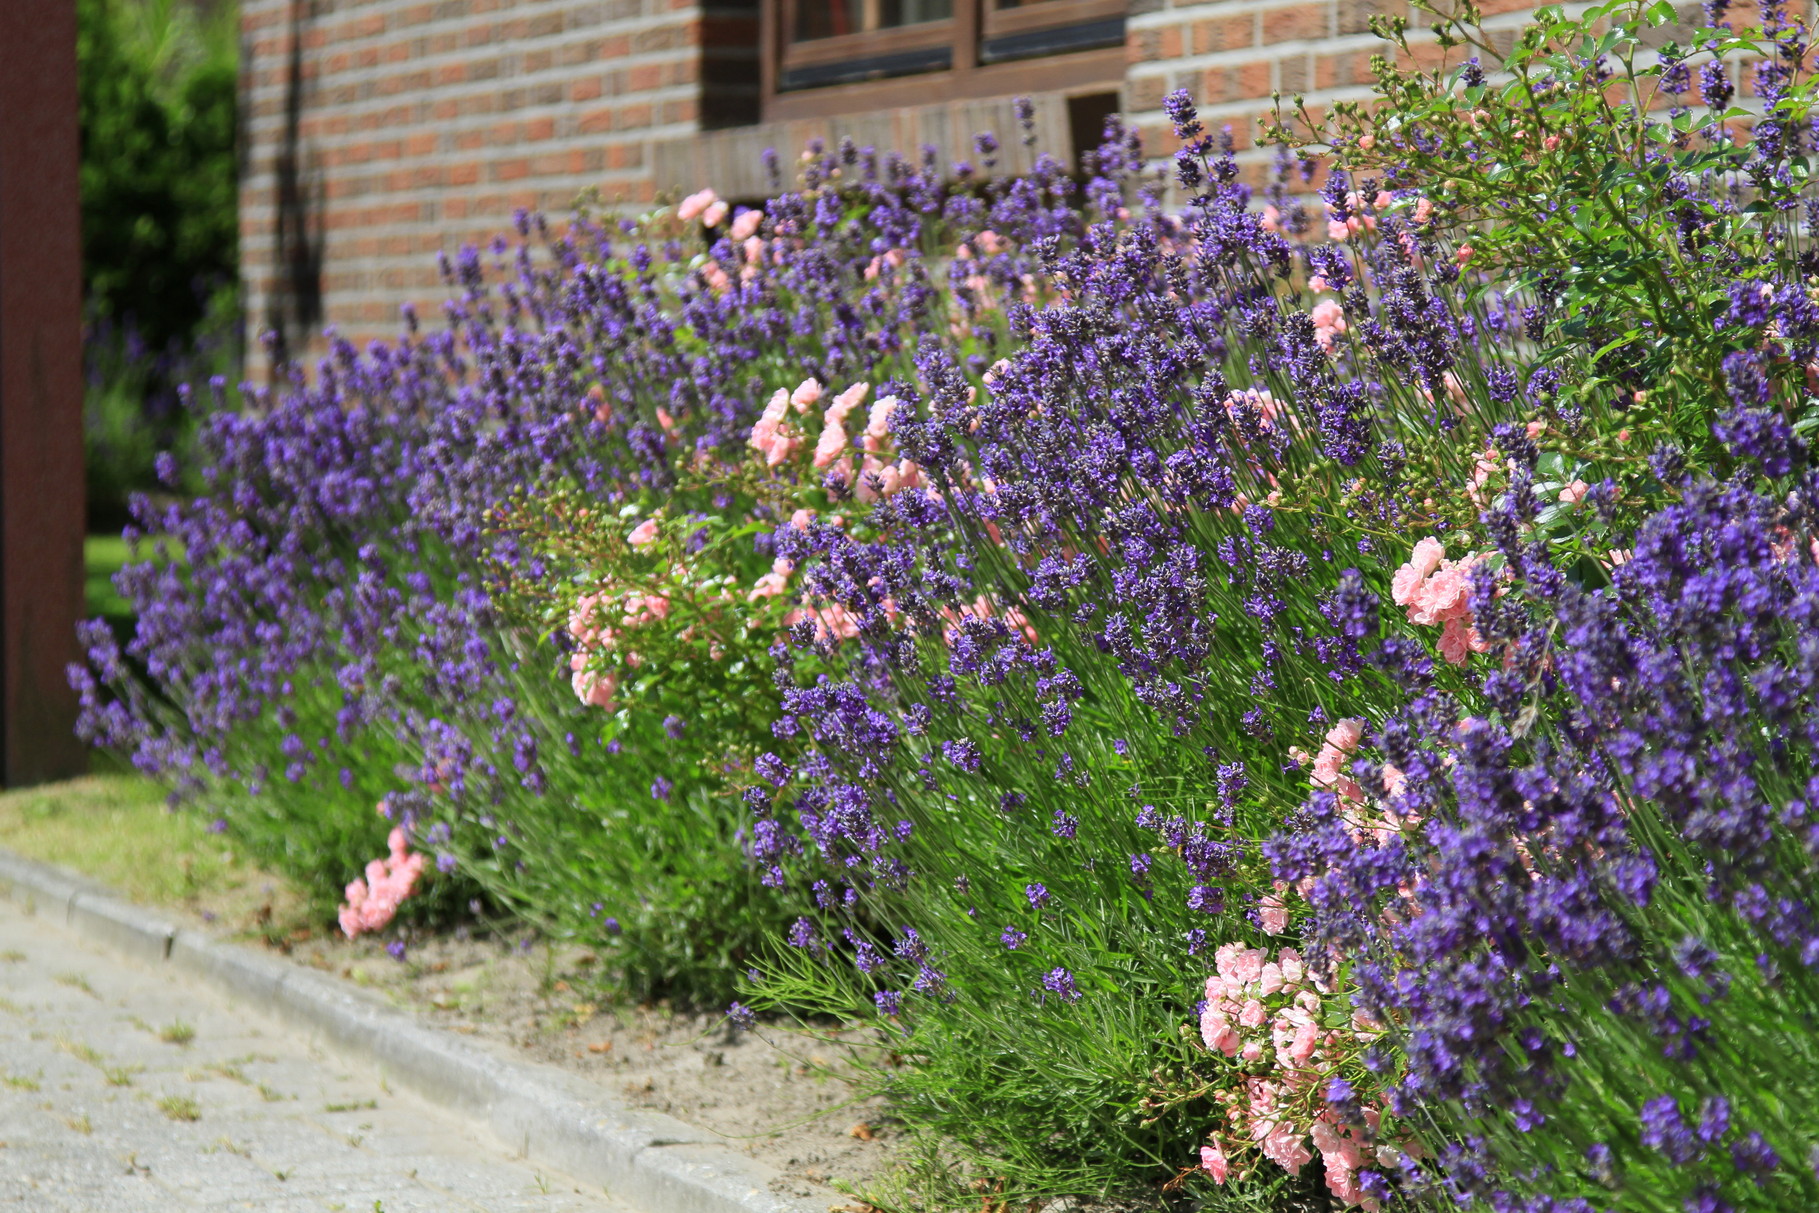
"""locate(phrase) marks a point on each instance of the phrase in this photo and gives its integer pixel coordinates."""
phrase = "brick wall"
(380, 132)
(1235, 56)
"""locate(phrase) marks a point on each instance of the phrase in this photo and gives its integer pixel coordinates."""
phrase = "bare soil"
(787, 1096)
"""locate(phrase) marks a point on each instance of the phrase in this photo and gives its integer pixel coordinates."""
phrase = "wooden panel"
(732, 160)
(868, 45)
(1047, 14)
(41, 495)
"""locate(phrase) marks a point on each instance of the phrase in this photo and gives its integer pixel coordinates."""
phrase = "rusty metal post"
(41, 493)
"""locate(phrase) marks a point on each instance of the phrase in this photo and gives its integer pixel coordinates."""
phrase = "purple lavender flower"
(1060, 982)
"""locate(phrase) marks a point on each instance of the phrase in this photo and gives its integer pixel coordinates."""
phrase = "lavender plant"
(1085, 670)
(1590, 928)
(334, 626)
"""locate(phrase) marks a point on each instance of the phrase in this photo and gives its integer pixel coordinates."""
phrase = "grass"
(116, 829)
(102, 557)
(180, 1107)
(177, 1033)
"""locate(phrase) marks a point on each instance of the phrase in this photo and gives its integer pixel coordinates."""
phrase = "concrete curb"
(653, 1162)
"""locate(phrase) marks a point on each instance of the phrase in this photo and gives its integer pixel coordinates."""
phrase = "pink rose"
(1212, 1159)
(831, 444)
(1575, 492)
(715, 213)
(693, 205)
(1235, 962)
(1292, 968)
(846, 402)
(745, 225)
(1345, 734)
(1426, 558)
(806, 394)
(1253, 1014)
(1285, 1146)
(644, 534)
(1216, 1030)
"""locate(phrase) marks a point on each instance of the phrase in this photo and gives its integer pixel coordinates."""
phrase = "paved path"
(126, 1090)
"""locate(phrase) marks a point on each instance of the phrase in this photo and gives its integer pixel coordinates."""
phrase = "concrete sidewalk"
(105, 1107)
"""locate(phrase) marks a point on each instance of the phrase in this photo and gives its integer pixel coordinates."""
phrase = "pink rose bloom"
(783, 448)
(1213, 1161)
(1393, 779)
(1285, 1146)
(1575, 492)
(1345, 734)
(753, 247)
(1235, 962)
(1335, 230)
(1307, 1036)
(776, 407)
(831, 445)
(846, 402)
(1329, 322)
(877, 480)
(1383, 201)
(1423, 210)
(1274, 917)
(1317, 284)
(1271, 981)
(1216, 1030)
(801, 519)
(595, 690)
(644, 534)
(745, 225)
(773, 583)
(806, 394)
(372, 902)
(1251, 1051)
(1442, 596)
(1292, 969)
(1426, 558)
(1459, 639)
(693, 205)
(1271, 219)
(715, 214)
(1253, 1014)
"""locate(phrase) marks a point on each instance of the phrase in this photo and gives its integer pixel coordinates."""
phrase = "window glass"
(832, 18)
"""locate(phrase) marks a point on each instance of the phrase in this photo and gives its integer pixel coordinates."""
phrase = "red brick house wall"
(380, 132)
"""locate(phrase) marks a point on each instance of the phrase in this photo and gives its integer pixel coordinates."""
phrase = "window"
(845, 56)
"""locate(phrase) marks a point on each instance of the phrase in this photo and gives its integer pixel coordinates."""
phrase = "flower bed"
(1292, 700)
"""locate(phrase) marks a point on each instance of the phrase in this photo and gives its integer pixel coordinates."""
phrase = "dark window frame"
(1070, 46)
